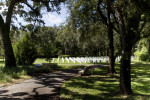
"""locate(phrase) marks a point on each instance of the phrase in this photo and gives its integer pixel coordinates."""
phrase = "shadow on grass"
(77, 96)
(98, 88)
(91, 88)
(68, 67)
(103, 86)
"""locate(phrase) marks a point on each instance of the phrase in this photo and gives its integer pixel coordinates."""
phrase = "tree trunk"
(111, 68)
(125, 77)
(4, 30)
(8, 50)
(126, 44)
(149, 47)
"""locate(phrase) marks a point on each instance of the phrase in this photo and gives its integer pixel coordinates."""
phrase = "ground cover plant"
(101, 86)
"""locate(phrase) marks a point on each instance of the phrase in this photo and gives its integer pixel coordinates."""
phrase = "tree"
(45, 41)
(107, 19)
(129, 35)
(25, 51)
(130, 24)
(16, 7)
(76, 44)
(68, 39)
(84, 15)
(142, 50)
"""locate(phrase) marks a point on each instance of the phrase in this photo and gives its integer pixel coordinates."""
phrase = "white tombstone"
(62, 59)
(53, 59)
(58, 60)
(67, 59)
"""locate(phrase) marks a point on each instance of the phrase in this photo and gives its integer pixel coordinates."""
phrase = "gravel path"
(44, 87)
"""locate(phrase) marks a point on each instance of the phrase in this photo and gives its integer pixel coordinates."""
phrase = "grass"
(1, 62)
(66, 67)
(101, 86)
(7, 75)
(98, 86)
(140, 62)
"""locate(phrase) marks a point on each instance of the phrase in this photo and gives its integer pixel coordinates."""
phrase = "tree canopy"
(14, 7)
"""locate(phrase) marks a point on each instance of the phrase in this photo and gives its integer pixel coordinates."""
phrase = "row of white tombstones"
(104, 59)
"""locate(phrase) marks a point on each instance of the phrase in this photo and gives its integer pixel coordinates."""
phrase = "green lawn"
(1, 62)
(140, 62)
(101, 86)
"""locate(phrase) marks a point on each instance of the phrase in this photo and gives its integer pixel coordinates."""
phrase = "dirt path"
(44, 87)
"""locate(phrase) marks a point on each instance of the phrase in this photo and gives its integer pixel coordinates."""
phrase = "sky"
(50, 18)
(53, 18)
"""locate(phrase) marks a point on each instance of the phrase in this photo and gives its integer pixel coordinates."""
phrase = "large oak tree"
(129, 21)
(17, 7)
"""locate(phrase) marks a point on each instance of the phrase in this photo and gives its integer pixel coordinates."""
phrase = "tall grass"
(8, 74)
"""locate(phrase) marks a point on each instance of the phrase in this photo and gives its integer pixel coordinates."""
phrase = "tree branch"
(104, 18)
(120, 19)
(1, 21)
(29, 6)
(10, 11)
(47, 4)
(1, 24)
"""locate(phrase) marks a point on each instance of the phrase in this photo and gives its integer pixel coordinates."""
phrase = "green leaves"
(25, 51)
(30, 10)
(45, 41)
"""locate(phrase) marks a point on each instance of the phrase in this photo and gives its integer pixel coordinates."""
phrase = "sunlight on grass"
(98, 86)
(88, 88)
(2, 62)
(66, 67)
(101, 86)
(140, 62)
(40, 61)
(141, 79)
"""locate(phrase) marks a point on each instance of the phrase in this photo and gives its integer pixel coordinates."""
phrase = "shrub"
(144, 57)
(25, 51)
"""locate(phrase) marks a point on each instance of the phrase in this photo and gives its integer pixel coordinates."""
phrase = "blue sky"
(50, 18)
(53, 18)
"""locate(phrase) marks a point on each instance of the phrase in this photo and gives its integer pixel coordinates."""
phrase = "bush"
(25, 51)
(144, 57)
